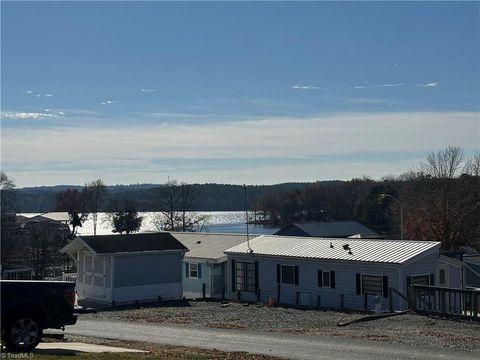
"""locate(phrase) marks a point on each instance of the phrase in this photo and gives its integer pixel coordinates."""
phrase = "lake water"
(217, 222)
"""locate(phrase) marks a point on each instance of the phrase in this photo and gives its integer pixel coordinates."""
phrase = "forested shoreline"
(439, 201)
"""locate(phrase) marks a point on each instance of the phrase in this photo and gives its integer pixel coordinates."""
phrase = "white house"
(334, 273)
(126, 268)
(204, 266)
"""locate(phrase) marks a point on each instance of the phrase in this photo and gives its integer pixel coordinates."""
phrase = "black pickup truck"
(28, 307)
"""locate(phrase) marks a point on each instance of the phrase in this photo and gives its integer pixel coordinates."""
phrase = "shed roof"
(208, 246)
(106, 244)
(363, 250)
(60, 216)
(330, 229)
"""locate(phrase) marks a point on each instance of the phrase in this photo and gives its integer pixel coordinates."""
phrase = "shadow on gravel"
(139, 305)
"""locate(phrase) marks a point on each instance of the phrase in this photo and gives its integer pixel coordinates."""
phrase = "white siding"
(147, 269)
(148, 292)
(193, 287)
(345, 281)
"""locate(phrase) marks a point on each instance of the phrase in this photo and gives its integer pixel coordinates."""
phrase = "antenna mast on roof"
(246, 219)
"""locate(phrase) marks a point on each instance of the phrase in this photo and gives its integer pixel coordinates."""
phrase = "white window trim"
(244, 275)
(190, 270)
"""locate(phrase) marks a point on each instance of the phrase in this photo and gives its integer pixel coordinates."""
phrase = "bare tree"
(75, 203)
(175, 202)
(8, 224)
(97, 193)
(443, 201)
(41, 242)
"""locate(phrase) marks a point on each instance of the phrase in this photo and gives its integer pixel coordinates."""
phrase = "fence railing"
(445, 301)
(72, 277)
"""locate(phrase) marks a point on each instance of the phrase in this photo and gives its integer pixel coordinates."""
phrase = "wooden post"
(390, 299)
(475, 304)
(238, 295)
(278, 293)
(223, 293)
(204, 290)
(442, 301)
(342, 303)
(413, 293)
(258, 295)
(319, 298)
(365, 302)
(409, 298)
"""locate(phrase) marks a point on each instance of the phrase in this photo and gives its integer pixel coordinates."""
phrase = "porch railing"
(445, 301)
(72, 277)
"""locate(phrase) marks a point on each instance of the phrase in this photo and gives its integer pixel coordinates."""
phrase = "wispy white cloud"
(149, 90)
(392, 85)
(32, 115)
(304, 87)
(107, 102)
(432, 84)
(326, 135)
(38, 95)
(359, 87)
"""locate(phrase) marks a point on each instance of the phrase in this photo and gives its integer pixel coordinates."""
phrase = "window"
(421, 280)
(288, 274)
(372, 285)
(326, 279)
(245, 276)
(193, 270)
(442, 277)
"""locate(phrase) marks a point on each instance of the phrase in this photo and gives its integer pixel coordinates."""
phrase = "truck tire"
(23, 332)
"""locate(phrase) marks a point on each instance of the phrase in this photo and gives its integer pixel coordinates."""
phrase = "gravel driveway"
(407, 329)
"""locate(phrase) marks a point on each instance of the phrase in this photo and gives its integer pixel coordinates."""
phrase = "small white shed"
(118, 269)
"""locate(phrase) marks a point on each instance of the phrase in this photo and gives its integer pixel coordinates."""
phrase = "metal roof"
(363, 250)
(107, 244)
(61, 216)
(208, 245)
(329, 229)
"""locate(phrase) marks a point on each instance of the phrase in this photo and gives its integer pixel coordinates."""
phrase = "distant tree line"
(209, 197)
(441, 201)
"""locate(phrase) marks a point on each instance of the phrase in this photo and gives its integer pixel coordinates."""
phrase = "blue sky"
(234, 92)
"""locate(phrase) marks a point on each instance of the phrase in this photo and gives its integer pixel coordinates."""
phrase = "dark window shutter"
(278, 273)
(296, 275)
(359, 289)
(233, 276)
(256, 277)
(319, 278)
(409, 281)
(332, 279)
(199, 271)
(385, 286)
(187, 270)
(432, 279)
